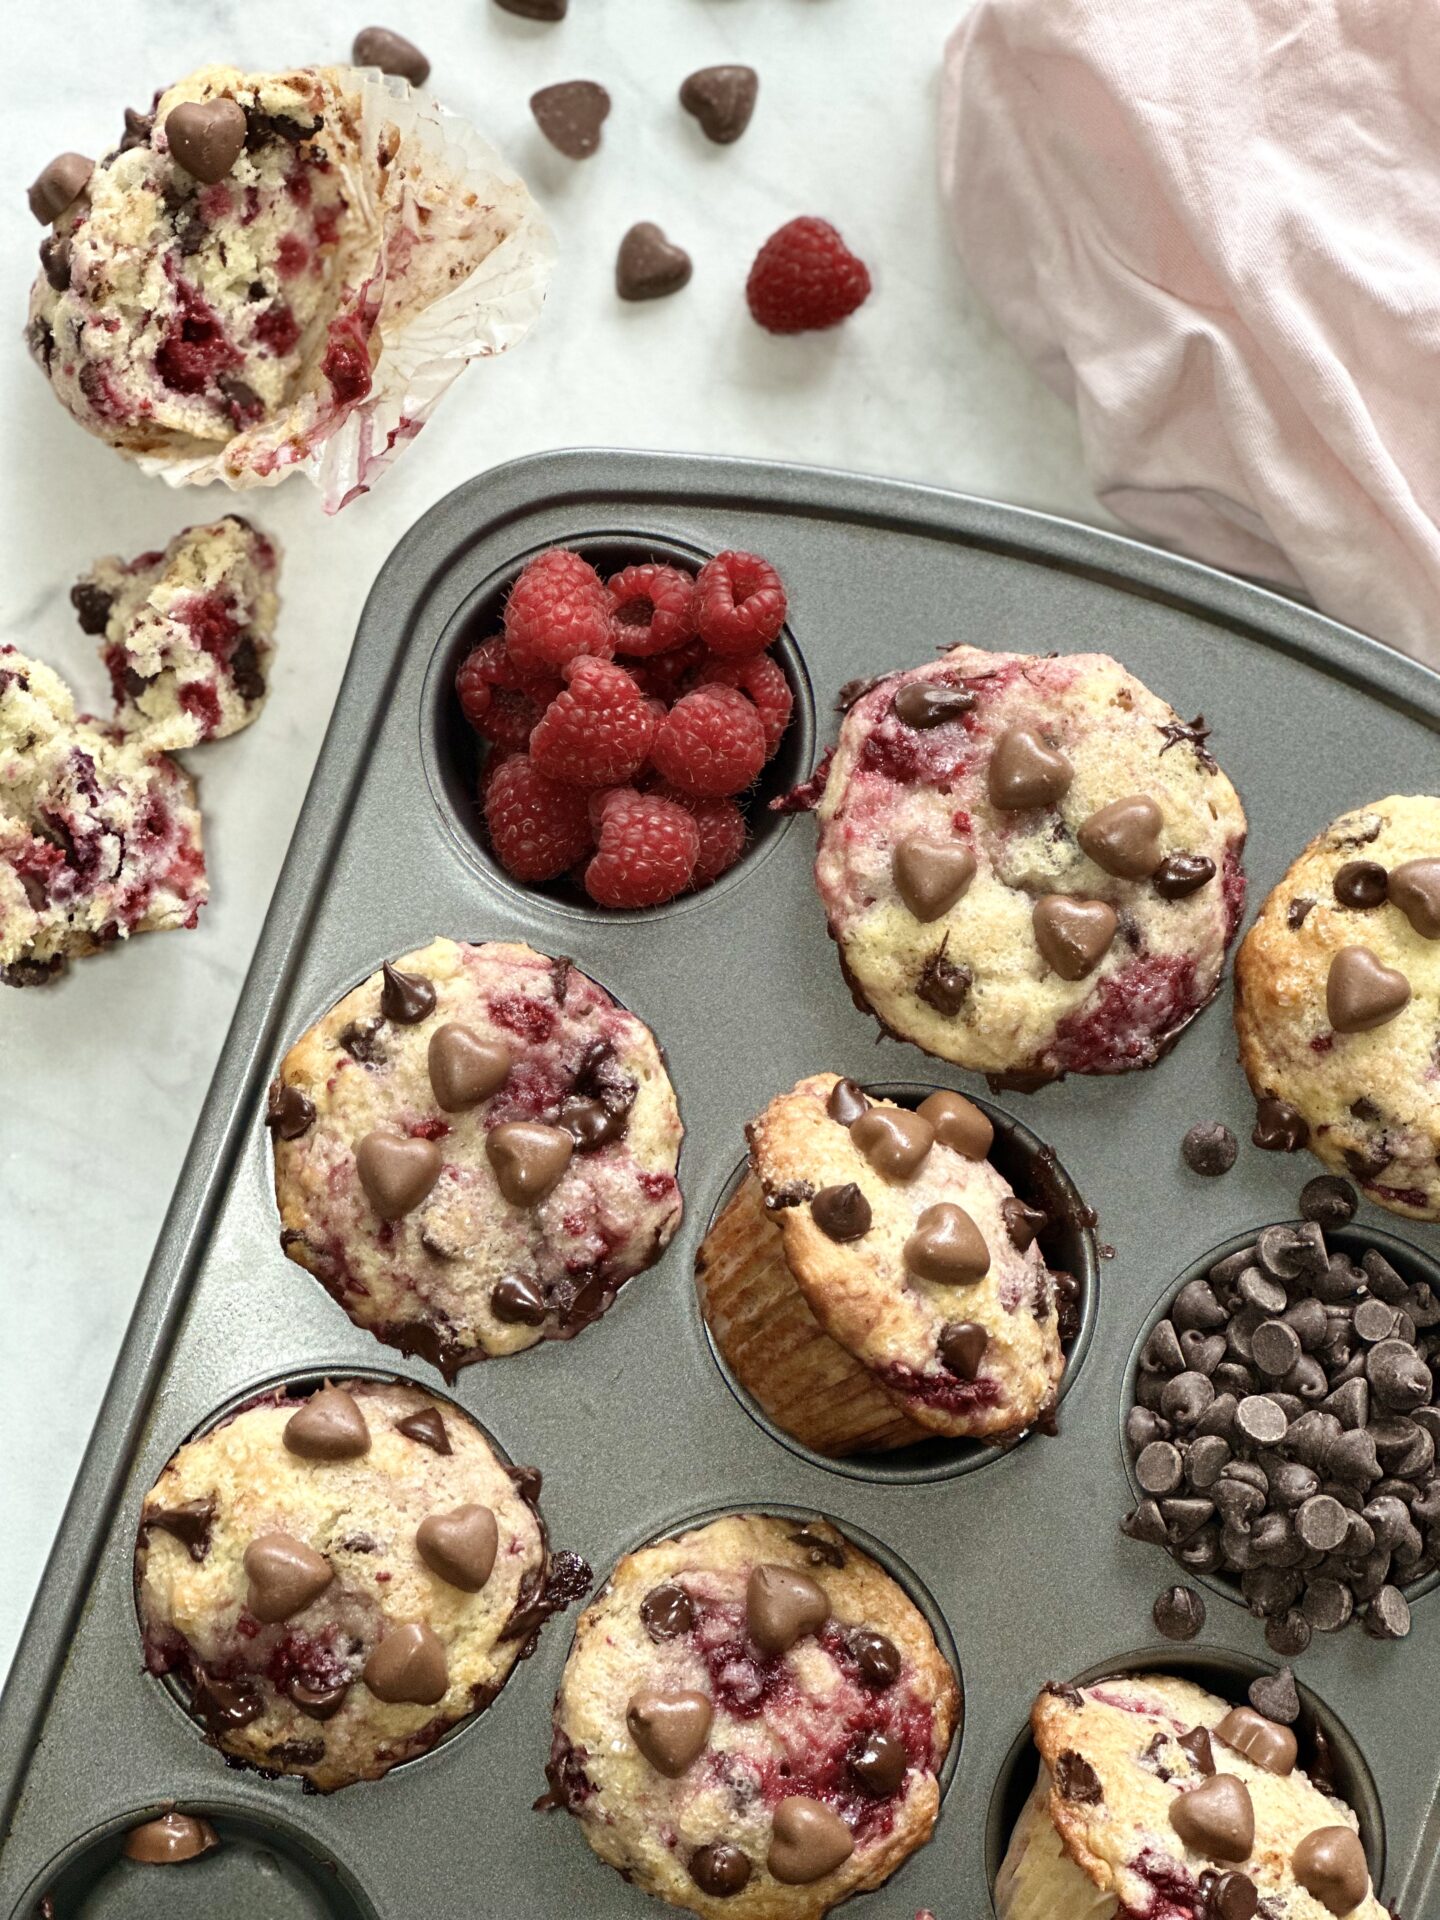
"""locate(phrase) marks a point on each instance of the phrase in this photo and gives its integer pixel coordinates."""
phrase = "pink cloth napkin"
(1214, 225)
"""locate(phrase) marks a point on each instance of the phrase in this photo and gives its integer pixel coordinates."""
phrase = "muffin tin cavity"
(1416, 1268)
(1067, 1242)
(1228, 1676)
(261, 1870)
(454, 755)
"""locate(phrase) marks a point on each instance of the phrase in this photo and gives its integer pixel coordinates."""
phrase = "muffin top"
(1338, 1001)
(752, 1720)
(1155, 1782)
(1031, 865)
(339, 1578)
(474, 1149)
(913, 1252)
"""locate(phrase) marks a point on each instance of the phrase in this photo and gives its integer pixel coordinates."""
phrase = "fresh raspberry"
(538, 827)
(558, 608)
(647, 853)
(493, 663)
(762, 679)
(665, 676)
(711, 743)
(805, 277)
(653, 610)
(722, 830)
(739, 603)
(598, 731)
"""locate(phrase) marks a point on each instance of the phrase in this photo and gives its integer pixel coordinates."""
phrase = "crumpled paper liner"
(1037, 1879)
(776, 1348)
(426, 329)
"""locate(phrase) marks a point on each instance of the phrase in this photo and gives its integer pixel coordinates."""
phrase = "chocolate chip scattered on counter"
(1210, 1148)
(1330, 1864)
(1181, 874)
(722, 99)
(670, 1727)
(528, 1159)
(285, 1575)
(1179, 1613)
(931, 875)
(391, 53)
(570, 114)
(842, 1213)
(1216, 1819)
(330, 1426)
(1388, 1615)
(396, 1171)
(1362, 993)
(719, 1870)
(1123, 838)
(206, 137)
(923, 704)
(428, 1427)
(1264, 1743)
(959, 1124)
(405, 998)
(782, 1605)
(649, 266)
(666, 1612)
(807, 1841)
(170, 1840)
(465, 1067)
(517, 1301)
(895, 1141)
(1073, 935)
(1415, 889)
(1077, 1780)
(1276, 1696)
(546, 10)
(460, 1546)
(1329, 1201)
(846, 1103)
(59, 185)
(947, 1247)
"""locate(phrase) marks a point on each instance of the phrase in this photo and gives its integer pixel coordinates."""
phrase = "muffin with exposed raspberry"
(221, 292)
(99, 837)
(1157, 1797)
(874, 1281)
(474, 1150)
(753, 1719)
(1030, 865)
(1337, 1003)
(627, 722)
(187, 633)
(338, 1577)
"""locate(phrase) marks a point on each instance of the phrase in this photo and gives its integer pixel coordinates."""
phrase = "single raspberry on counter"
(653, 610)
(557, 609)
(598, 731)
(647, 852)
(805, 277)
(762, 679)
(711, 743)
(538, 827)
(722, 830)
(739, 603)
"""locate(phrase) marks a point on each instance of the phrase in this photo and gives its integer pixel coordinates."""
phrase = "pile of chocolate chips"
(1284, 1432)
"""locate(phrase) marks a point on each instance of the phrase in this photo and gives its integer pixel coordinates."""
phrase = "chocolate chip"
(878, 1763)
(877, 1658)
(364, 1041)
(1275, 1347)
(895, 1141)
(1361, 884)
(319, 1703)
(464, 1067)
(846, 1103)
(1292, 1253)
(666, 1612)
(943, 984)
(782, 1606)
(1181, 874)
(1073, 935)
(722, 99)
(59, 185)
(1261, 1422)
(188, 1521)
(1209, 1148)
(391, 53)
(517, 1301)
(405, 998)
(529, 1159)
(1197, 1308)
(138, 129)
(962, 1346)
(169, 1840)
(92, 606)
(1186, 1398)
(1022, 1223)
(1197, 1744)
(807, 1841)
(1330, 1864)
(718, 1870)
(1192, 733)
(1388, 1615)
(427, 1427)
(947, 1247)
(842, 1213)
(1329, 1201)
(1296, 913)
(1275, 1696)
(225, 1706)
(820, 1549)
(285, 1575)
(206, 137)
(648, 266)
(1146, 1523)
(1229, 1896)
(1288, 1634)
(1179, 1613)
(1159, 1468)
(670, 1727)
(1077, 1780)
(922, 704)
(55, 261)
(1279, 1128)
(570, 114)
(289, 1112)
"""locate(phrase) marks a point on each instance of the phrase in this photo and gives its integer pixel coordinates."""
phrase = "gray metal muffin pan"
(634, 1423)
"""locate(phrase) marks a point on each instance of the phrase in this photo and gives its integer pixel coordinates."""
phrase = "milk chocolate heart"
(669, 1728)
(1263, 1742)
(1124, 838)
(59, 185)
(1216, 1819)
(931, 875)
(1073, 936)
(391, 53)
(648, 266)
(781, 1605)
(285, 1575)
(529, 1159)
(959, 1124)
(330, 1426)
(1414, 888)
(464, 1068)
(807, 1841)
(947, 1247)
(1330, 1864)
(206, 137)
(408, 1667)
(459, 1546)
(1361, 993)
(722, 99)
(396, 1171)
(1025, 772)
(894, 1141)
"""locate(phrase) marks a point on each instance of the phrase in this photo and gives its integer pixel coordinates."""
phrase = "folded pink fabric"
(1214, 225)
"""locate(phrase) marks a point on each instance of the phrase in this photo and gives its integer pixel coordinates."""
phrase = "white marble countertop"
(101, 1077)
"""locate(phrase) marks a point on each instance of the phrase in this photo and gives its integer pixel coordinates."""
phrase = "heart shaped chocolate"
(1025, 772)
(206, 137)
(1330, 1864)
(781, 1605)
(570, 115)
(464, 1068)
(669, 1728)
(1073, 936)
(285, 1575)
(1362, 993)
(408, 1667)
(947, 1247)
(807, 1841)
(959, 1124)
(459, 1546)
(59, 185)
(1216, 1819)
(894, 1141)
(391, 53)
(529, 1159)
(396, 1171)
(330, 1426)
(1265, 1743)
(1124, 838)
(931, 875)
(722, 99)
(648, 266)
(1414, 887)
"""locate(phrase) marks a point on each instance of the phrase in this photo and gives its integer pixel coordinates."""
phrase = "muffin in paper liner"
(305, 311)
(1037, 1879)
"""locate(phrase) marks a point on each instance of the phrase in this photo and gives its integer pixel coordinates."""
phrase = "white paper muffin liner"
(1037, 1879)
(446, 192)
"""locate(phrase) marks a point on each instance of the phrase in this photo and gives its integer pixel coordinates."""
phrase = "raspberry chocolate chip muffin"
(99, 838)
(875, 1281)
(1157, 1798)
(339, 1579)
(752, 1720)
(187, 633)
(1031, 866)
(474, 1150)
(1337, 1003)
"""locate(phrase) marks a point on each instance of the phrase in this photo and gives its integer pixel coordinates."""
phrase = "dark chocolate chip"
(943, 984)
(427, 1427)
(962, 1347)
(1361, 884)
(223, 1705)
(666, 1612)
(718, 1870)
(1181, 874)
(319, 1703)
(570, 114)
(1296, 912)
(391, 53)
(842, 1213)
(1288, 1634)
(1160, 1469)
(1275, 1347)
(878, 1763)
(289, 1112)
(846, 1103)
(877, 1657)
(1179, 1613)
(1275, 1695)
(722, 99)
(925, 703)
(1077, 1780)
(517, 1301)
(55, 261)
(648, 266)
(1229, 1896)
(1210, 1148)
(1197, 1744)
(1022, 1222)
(1192, 733)
(1388, 1615)
(1278, 1126)
(189, 1522)
(92, 606)
(405, 998)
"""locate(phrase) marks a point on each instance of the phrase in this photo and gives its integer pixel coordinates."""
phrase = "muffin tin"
(634, 1423)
